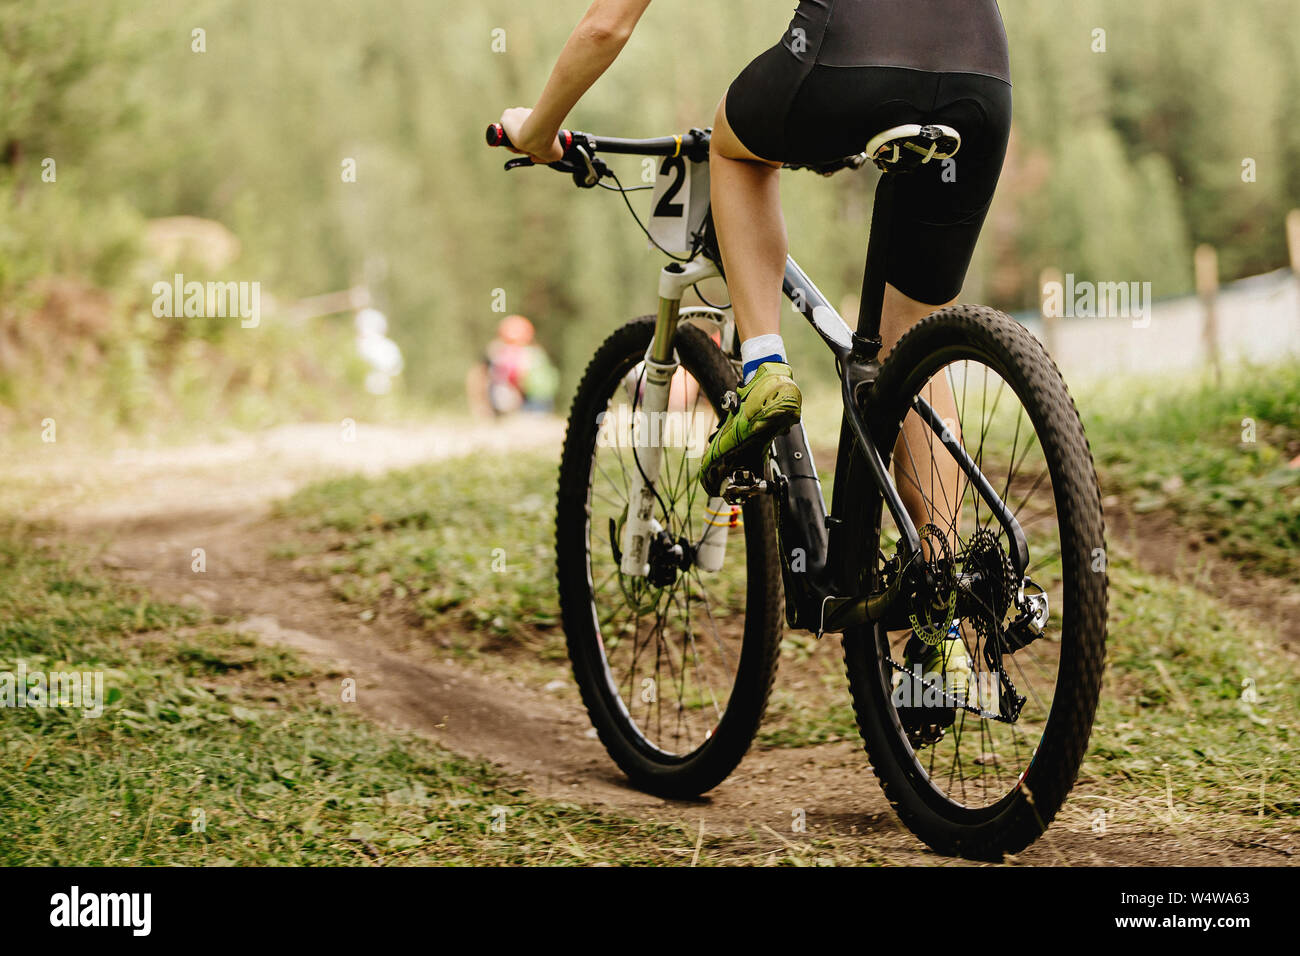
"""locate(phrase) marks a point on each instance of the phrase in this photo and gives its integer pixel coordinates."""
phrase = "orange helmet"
(515, 330)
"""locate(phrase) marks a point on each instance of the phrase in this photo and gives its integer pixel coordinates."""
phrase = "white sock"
(761, 348)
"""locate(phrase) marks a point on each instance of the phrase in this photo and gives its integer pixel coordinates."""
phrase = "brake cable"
(623, 191)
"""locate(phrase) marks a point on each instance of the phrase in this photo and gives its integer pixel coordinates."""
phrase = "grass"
(1200, 716)
(466, 544)
(215, 750)
(1217, 458)
(810, 701)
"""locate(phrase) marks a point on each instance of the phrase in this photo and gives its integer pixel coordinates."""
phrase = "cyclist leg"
(920, 475)
(746, 200)
(745, 195)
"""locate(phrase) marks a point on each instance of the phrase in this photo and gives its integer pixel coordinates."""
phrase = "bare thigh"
(726, 144)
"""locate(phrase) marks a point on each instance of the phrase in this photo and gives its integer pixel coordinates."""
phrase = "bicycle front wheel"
(675, 668)
(979, 768)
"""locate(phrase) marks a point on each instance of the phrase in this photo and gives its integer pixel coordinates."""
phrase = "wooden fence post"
(1293, 245)
(1207, 287)
(1051, 320)
(1293, 240)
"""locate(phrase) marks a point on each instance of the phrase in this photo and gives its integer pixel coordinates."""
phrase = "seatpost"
(863, 363)
(866, 341)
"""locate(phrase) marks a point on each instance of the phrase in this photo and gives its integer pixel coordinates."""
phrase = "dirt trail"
(95, 487)
(158, 507)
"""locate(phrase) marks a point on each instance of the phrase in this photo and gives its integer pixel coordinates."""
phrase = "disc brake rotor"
(933, 603)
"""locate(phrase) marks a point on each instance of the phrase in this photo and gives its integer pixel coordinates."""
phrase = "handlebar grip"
(496, 136)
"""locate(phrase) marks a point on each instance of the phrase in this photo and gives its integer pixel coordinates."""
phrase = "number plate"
(679, 203)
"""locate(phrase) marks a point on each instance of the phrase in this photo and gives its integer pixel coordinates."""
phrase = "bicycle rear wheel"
(674, 668)
(985, 777)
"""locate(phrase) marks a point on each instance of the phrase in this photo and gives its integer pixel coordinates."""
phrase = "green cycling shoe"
(764, 408)
(948, 658)
(938, 677)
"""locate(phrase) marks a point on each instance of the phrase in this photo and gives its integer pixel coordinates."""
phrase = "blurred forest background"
(1121, 162)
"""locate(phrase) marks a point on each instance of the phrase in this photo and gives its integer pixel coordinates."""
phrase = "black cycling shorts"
(793, 107)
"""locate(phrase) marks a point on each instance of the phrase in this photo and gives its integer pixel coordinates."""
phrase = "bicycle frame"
(812, 599)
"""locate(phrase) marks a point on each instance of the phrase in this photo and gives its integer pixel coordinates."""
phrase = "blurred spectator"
(378, 351)
(515, 373)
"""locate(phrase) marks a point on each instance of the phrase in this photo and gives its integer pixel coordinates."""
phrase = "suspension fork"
(660, 366)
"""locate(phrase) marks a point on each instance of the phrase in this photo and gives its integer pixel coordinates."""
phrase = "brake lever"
(585, 176)
(563, 165)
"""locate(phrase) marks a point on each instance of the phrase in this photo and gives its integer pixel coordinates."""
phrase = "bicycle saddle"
(903, 148)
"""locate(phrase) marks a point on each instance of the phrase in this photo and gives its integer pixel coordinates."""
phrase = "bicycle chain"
(952, 701)
(1006, 685)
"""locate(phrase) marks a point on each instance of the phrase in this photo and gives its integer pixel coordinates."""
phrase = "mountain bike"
(674, 604)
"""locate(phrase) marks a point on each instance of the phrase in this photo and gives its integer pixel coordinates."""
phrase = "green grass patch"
(810, 701)
(213, 749)
(1199, 717)
(467, 543)
(1216, 457)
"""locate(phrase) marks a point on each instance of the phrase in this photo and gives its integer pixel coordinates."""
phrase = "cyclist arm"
(594, 44)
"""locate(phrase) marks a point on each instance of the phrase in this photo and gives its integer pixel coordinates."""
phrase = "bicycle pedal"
(742, 485)
(922, 731)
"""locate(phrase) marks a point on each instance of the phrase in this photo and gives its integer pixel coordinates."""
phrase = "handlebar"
(580, 151)
(693, 145)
